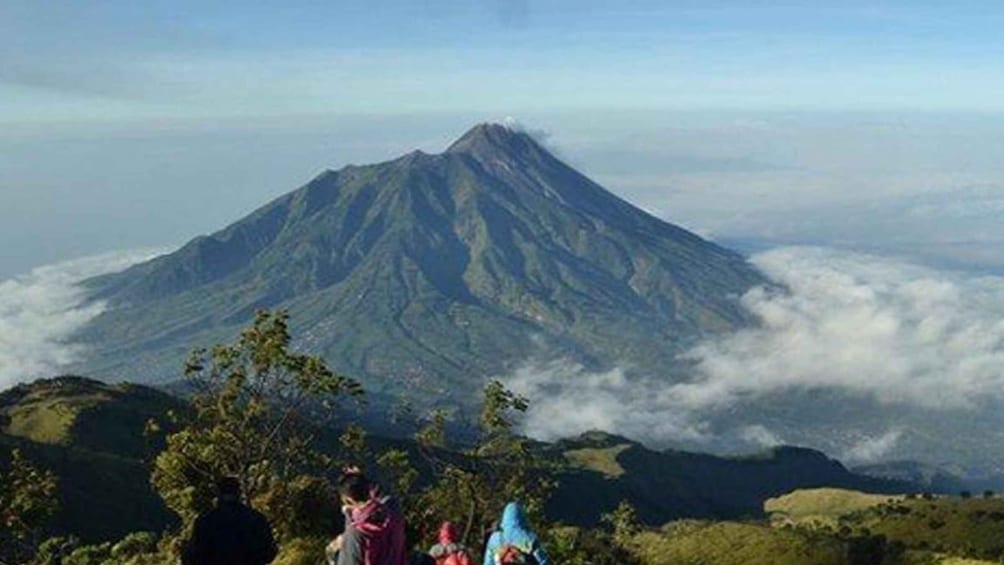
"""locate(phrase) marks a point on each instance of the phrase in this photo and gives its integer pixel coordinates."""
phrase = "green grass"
(601, 460)
(951, 527)
(821, 507)
(734, 543)
(972, 528)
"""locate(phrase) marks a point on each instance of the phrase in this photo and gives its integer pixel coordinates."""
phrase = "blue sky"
(119, 59)
(131, 124)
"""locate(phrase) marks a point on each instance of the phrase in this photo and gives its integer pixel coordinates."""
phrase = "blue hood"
(514, 527)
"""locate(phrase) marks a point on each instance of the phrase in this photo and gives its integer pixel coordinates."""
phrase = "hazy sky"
(873, 125)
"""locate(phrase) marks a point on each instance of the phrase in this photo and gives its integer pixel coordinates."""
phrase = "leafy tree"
(257, 408)
(623, 520)
(27, 504)
(576, 546)
(473, 486)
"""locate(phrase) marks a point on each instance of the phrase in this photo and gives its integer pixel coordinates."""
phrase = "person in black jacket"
(230, 534)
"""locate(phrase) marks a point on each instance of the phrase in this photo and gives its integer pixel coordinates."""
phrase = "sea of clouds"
(40, 312)
(873, 327)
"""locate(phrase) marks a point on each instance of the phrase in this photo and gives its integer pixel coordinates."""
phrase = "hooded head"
(515, 530)
(448, 533)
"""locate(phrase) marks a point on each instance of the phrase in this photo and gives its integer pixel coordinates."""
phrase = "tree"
(28, 503)
(473, 485)
(257, 410)
(623, 520)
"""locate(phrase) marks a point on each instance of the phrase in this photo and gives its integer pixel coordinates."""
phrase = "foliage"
(577, 546)
(301, 551)
(304, 504)
(473, 487)
(27, 504)
(624, 522)
(256, 411)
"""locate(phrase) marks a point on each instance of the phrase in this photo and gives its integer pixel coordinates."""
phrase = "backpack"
(460, 557)
(512, 555)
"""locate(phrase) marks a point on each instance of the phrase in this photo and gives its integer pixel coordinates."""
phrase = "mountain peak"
(489, 138)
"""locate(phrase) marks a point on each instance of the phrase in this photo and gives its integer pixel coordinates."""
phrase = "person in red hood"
(374, 526)
(449, 550)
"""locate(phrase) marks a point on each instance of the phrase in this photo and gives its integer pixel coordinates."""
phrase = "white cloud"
(40, 311)
(760, 435)
(872, 449)
(868, 325)
(871, 327)
(567, 400)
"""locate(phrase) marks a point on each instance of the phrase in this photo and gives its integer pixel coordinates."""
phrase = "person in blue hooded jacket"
(514, 542)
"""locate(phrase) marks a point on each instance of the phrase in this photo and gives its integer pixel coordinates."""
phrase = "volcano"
(425, 274)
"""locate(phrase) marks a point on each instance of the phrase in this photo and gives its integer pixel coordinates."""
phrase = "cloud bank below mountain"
(871, 327)
(40, 311)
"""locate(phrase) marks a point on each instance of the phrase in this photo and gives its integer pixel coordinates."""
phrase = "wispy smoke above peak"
(40, 311)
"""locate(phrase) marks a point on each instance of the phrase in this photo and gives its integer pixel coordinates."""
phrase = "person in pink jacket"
(374, 525)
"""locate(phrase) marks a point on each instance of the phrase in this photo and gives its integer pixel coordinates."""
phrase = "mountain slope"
(664, 485)
(91, 435)
(421, 273)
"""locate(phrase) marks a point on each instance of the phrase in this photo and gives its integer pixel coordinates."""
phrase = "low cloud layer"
(40, 311)
(883, 330)
(868, 325)
(874, 448)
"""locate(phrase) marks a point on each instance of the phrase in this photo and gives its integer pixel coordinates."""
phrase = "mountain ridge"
(429, 270)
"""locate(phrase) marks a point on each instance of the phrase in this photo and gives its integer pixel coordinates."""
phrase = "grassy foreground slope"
(735, 543)
(91, 435)
(949, 526)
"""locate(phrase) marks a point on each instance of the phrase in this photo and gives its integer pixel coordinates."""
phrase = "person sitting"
(449, 550)
(374, 526)
(514, 542)
(231, 533)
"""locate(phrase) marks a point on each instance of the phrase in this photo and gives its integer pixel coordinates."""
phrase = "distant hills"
(91, 434)
(427, 273)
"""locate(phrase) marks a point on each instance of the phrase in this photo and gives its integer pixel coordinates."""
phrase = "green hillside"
(733, 543)
(961, 527)
(665, 485)
(91, 434)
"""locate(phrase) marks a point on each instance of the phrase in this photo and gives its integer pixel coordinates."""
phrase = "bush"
(576, 546)
(136, 543)
(89, 555)
(302, 551)
(53, 550)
